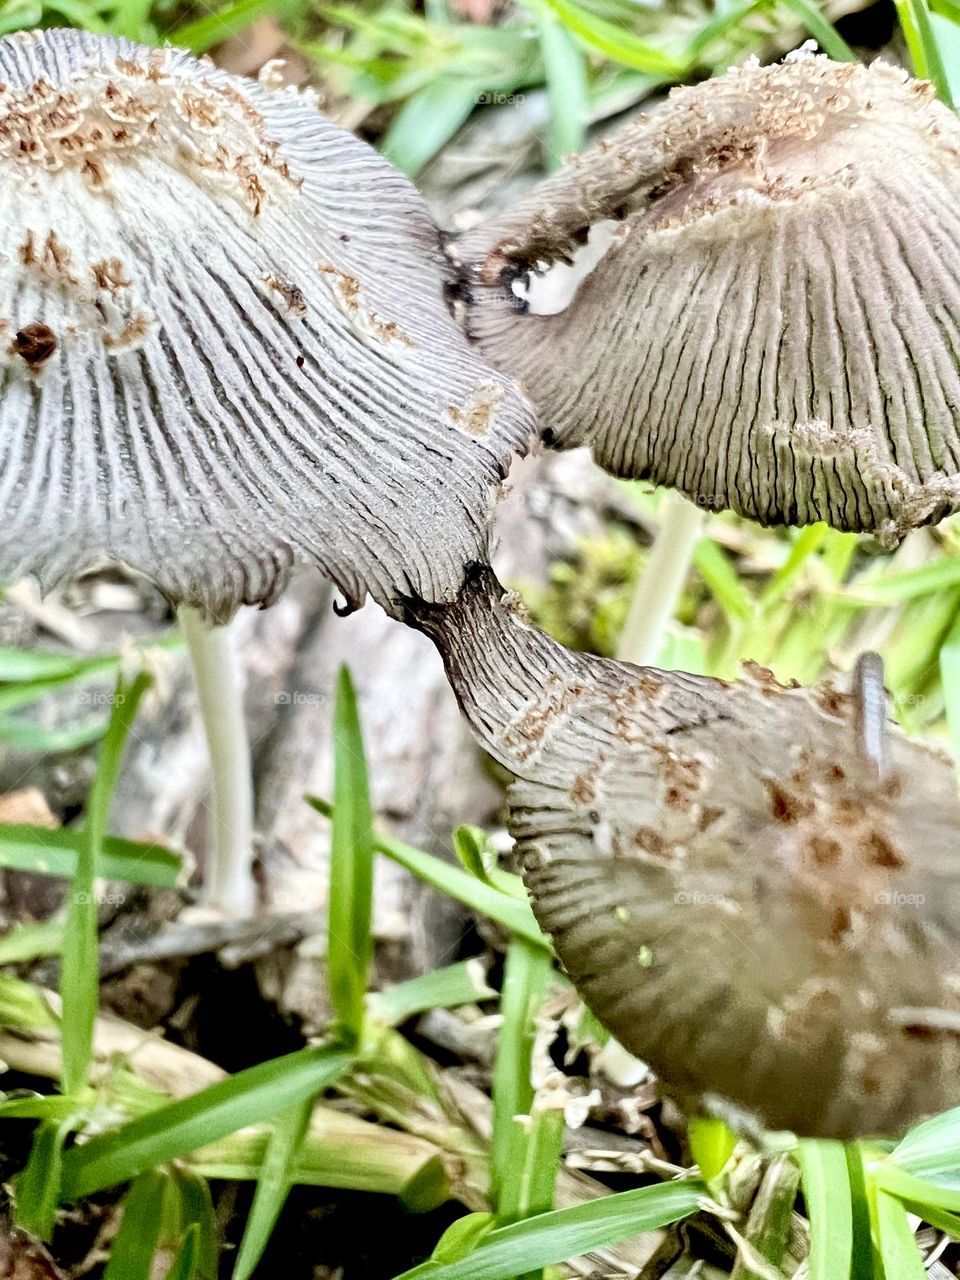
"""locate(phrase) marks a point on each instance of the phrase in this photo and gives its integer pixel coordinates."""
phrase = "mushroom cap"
(737, 893)
(775, 323)
(225, 348)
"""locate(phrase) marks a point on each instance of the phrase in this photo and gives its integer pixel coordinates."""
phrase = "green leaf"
(898, 1182)
(37, 1186)
(186, 1264)
(349, 939)
(616, 43)
(459, 884)
(28, 665)
(136, 1243)
(566, 70)
(949, 659)
(543, 1149)
(826, 1191)
(716, 569)
(31, 942)
(427, 121)
(476, 854)
(896, 1242)
(924, 51)
(80, 977)
(56, 853)
(194, 1207)
(861, 1196)
(180, 1127)
(224, 22)
(825, 33)
(567, 1233)
(712, 1144)
(462, 1237)
(526, 978)
(273, 1185)
(457, 984)
(932, 1149)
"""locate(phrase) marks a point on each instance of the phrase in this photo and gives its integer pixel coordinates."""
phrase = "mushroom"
(753, 886)
(775, 323)
(770, 319)
(226, 352)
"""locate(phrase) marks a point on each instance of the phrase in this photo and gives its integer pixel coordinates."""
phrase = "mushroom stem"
(870, 712)
(661, 582)
(228, 885)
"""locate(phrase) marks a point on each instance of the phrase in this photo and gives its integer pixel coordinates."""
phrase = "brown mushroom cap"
(743, 896)
(224, 347)
(775, 326)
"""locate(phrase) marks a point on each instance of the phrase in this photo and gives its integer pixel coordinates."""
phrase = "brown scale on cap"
(34, 344)
(755, 887)
(774, 325)
(127, 109)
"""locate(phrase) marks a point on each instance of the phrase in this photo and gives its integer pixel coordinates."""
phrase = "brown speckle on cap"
(34, 344)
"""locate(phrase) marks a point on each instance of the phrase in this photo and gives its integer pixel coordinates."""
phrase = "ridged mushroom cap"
(225, 348)
(756, 888)
(775, 324)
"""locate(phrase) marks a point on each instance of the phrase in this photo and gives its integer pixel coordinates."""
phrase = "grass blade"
(712, 1144)
(195, 1207)
(457, 984)
(826, 1190)
(932, 1149)
(427, 121)
(183, 1126)
(614, 42)
(273, 1184)
(565, 65)
(349, 941)
(922, 42)
(56, 853)
(136, 1243)
(949, 660)
(457, 883)
(38, 1184)
(825, 33)
(80, 978)
(224, 22)
(567, 1233)
(526, 977)
(896, 1242)
(898, 1182)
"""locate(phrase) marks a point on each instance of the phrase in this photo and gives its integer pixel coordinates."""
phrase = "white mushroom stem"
(228, 886)
(655, 599)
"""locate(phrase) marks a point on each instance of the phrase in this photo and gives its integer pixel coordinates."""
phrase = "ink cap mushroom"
(225, 348)
(770, 316)
(753, 886)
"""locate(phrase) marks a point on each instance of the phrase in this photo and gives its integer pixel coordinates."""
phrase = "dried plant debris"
(754, 886)
(770, 315)
(224, 347)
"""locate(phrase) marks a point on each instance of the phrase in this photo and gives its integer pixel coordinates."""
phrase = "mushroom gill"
(754, 886)
(224, 347)
(772, 320)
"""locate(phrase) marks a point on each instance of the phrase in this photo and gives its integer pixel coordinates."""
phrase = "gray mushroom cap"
(225, 348)
(740, 893)
(774, 325)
